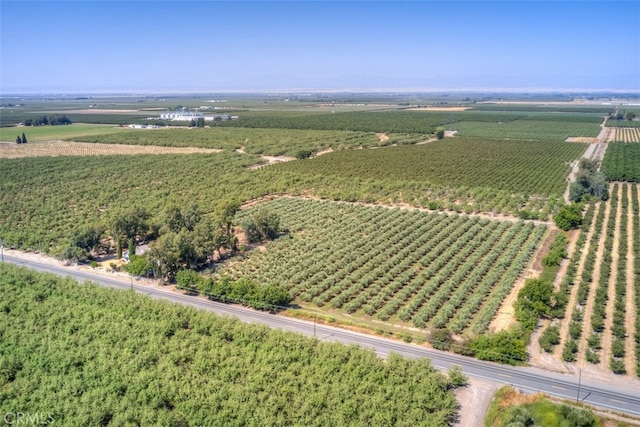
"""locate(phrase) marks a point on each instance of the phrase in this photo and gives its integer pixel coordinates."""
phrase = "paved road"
(623, 397)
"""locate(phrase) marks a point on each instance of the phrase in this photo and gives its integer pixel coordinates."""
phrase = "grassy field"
(53, 133)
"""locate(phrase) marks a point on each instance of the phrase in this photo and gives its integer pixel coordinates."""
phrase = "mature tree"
(138, 265)
(81, 242)
(24, 138)
(630, 115)
(72, 253)
(599, 187)
(129, 224)
(164, 256)
(534, 300)
(176, 219)
(200, 122)
(18, 140)
(576, 192)
(87, 238)
(261, 225)
(440, 132)
(569, 217)
(188, 280)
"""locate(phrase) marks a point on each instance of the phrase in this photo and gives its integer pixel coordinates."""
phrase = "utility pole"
(131, 278)
(579, 381)
(2, 249)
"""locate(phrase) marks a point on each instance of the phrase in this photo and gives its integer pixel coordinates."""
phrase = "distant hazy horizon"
(322, 46)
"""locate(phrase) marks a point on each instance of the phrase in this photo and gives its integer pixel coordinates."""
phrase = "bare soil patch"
(68, 148)
(586, 139)
(537, 262)
(506, 313)
(474, 400)
(322, 152)
(270, 160)
(383, 137)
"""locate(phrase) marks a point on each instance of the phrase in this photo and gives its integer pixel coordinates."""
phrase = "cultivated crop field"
(530, 129)
(63, 148)
(601, 326)
(492, 174)
(627, 134)
(105, 357)
(410, 267)
(49, 133)
(274, 142)
(622, 161)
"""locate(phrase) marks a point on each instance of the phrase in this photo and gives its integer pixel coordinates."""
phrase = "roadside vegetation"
(510, 408)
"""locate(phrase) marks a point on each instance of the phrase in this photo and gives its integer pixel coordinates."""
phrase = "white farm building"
(188, 115)
(182, 115)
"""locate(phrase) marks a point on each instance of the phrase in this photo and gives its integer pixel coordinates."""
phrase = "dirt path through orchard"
(564, 327)
(630, 315)
(607, 338)
(586, 324)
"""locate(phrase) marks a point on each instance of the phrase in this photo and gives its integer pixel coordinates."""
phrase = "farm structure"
(188, 115)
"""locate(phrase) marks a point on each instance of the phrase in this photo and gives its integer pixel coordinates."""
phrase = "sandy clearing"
(587, 139)
(271, 160)
(564, 326)
(322, 152)
(382, 137)
(426, 141)
(630, 309)
(68, 148)
(474, 401)
(611, 290)
(505, 316)
(588, 310)
(438, 108)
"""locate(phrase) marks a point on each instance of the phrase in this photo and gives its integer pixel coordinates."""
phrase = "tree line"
(44, 121)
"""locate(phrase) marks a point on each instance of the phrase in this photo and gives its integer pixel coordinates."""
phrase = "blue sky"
(165, 46)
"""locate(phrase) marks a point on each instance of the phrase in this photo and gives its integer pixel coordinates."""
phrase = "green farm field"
(408, 267)
(520, 167)
(73, 131)
(529, 129)
(273, 142)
